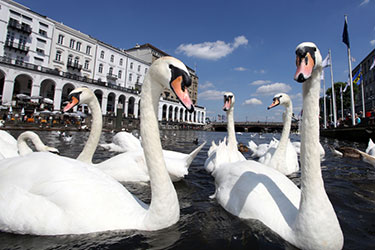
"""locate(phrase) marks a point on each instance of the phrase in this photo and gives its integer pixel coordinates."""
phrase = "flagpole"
(350, 79)
(324, 101)
(342, 104)
(333, 93)
(363, 93)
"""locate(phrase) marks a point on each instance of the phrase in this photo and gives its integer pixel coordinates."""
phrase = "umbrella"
(45, 112)
(23, 97)
(47, 100)
(36, 97)
(3, 107)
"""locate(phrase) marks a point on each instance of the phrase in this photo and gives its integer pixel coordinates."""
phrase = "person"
(357, 119)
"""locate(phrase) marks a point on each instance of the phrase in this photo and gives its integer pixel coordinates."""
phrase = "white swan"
(297, 146)
(232, 154)
(370, 148)
(284, 157)
(250, 190)
(122, 142)
(10, 147)
(136, 169)
(45, 194)
(259, 150)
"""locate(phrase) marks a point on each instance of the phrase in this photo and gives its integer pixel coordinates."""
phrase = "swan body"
(250, 190)
(73, 197)
(231, 150)
(261, 149)
(10, 147)
(284, 157)
(177, 163)
(297, 146)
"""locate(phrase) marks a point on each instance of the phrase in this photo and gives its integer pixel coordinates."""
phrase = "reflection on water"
(203, 224)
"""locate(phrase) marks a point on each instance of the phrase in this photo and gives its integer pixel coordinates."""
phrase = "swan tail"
(193, 154)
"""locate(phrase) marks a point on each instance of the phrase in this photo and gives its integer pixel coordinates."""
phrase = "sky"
(246, 47)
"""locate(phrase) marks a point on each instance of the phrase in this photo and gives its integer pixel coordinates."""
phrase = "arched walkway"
(111, 102)
(131, 103)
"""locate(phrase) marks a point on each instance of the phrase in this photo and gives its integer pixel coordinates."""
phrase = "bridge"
(264, 127)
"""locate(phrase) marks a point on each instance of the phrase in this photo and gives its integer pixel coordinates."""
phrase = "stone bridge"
(265, 127)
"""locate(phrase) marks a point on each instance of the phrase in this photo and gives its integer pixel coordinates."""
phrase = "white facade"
(59, 59)
(24, 35)
(72, 51)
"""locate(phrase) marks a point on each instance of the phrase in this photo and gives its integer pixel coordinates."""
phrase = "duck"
(232, 154)
(283, 157)
(73, 197)
(136, 170)
(250, 190)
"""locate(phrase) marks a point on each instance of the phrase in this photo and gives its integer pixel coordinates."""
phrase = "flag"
(373, 64)
(357, 77)
(326, 62)
(345, 35)
(322, 76)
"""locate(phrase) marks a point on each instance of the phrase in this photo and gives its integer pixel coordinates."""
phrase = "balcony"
(25, 28)
(20, 47)
(74, 66)
(111, 77)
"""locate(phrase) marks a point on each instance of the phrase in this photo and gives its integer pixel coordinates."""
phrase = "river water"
(203, 224)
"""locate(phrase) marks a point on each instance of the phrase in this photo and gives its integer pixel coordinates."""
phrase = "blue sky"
(246, 47)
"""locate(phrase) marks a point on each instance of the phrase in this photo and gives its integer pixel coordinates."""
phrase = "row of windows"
(73, 44)
(70, 60)
(112, 59)
(119, 74)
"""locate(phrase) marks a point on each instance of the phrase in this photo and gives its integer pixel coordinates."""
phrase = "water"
(203, 224)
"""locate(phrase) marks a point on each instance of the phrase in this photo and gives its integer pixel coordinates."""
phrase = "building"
(42, 60)
(368, 81)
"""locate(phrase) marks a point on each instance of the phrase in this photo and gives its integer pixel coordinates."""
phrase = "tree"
(346, 97)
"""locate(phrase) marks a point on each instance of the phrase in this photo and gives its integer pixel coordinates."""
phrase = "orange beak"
(71, 104)
(183, 95)
(305, 67)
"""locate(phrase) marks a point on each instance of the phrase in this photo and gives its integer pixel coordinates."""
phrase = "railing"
(21, 27)
(111, 76)
(22, 64)
(74, 66)
(17, 46)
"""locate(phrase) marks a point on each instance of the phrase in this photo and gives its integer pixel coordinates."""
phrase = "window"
(42, 32)
(70, 59)
(121, 62)
(102, 54)
(23, 40)
(72, 42)
(41, 40)
(58, 56)
(78, 47)
(76, 60)
(139, 68)
(138, 77)
(145, 70)
(130, 77)
(110, 70)
(40, 51)
(112, 58)
(86, 64)
(131, 65)
(43, 24)
(88, 50)
(119, 74)
(60, 39)
(100, 68)
(37, 59)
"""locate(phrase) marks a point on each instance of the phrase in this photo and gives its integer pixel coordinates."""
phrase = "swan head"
(172, 74)
(308, 58)
(228, 101)
(280, 99)
(79, 96)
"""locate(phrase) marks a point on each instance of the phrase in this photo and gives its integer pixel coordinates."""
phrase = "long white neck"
(23, 148)
(96, 130)
(283, 143)
(232, 141)
(315, 210)
(164, 206)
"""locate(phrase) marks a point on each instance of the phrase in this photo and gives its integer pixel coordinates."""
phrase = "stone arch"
(176, 118)
(122, 100)
(139, 108)
(170, 113)
(22, 85)
(181, 114)
(2, 82)
(99, 94)
(164, 112)
(186, 116)
(131, 104)
(47, 89)
(111, 101)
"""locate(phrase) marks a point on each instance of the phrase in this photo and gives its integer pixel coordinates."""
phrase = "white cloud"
(364, 2)
(240, 69)
(206, 85)
(273, 88)
(211, 50)
(252, 101)
(260, 82)
(260, 71)
(211, 95)
(372, 42)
